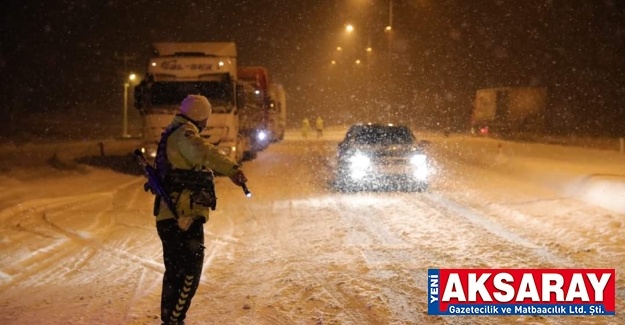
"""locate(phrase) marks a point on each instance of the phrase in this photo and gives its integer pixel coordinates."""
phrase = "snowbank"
(594, 176)
(33, 155)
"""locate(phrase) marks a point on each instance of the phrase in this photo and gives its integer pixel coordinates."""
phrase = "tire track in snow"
(555, 260)
(78, 241)
(335, 295)
(363, 212)
(299, 265)
(47, 247)
(447, 225)
(540, 251)
(482, 222)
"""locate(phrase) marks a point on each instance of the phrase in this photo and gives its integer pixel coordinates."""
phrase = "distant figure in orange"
(305, 128)
(319, 126)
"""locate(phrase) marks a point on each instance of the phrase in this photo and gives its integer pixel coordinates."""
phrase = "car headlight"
(422, 173)
(359, 161)
(418, 160)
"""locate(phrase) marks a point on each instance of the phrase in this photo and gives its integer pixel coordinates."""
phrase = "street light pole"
(390, 14)
(389, 28)
(125, 121)
(131, 77)
(369, 50)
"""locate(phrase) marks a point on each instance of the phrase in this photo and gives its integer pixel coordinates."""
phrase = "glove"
(239, 178)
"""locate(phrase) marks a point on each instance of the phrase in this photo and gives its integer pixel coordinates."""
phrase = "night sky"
(65, 56)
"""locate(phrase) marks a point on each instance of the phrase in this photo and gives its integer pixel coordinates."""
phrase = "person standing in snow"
(184, 164)
(305, 128)
(319, 126)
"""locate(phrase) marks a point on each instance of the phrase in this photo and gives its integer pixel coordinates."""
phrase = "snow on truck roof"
(227, 49)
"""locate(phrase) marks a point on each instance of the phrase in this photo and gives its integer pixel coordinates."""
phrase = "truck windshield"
(172, 93)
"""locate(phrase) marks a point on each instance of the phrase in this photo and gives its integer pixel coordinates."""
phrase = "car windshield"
(380, 135)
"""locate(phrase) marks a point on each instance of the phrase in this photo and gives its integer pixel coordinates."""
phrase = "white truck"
(180, 69)
(277, 112)
(509, 111)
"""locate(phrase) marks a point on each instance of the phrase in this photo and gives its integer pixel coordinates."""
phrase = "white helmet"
(196, 108)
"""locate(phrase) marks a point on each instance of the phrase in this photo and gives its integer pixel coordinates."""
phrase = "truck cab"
(180, 69)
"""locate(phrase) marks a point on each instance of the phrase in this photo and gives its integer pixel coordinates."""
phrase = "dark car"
(382, 156)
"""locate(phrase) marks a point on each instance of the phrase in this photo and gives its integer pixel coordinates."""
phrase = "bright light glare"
(257, 92)
(421, 173)
(132, 76)
(221, 63)
(418, 160)
(388, 28)
(333, 62)
(349, 28)
(338, 48)
(262, 135)
(233, 149)
(357, 174)
(357, 61)
(359, 161)
(153, 64)
(369, 49)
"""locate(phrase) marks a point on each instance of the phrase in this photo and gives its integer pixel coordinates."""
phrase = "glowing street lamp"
(369, 49)
(349, 28)
(388, 28)
(357, 61)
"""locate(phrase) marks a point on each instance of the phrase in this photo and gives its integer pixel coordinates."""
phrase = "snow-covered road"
(79, 246)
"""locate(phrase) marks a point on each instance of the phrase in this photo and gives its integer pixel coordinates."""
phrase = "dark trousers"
(183, 254)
